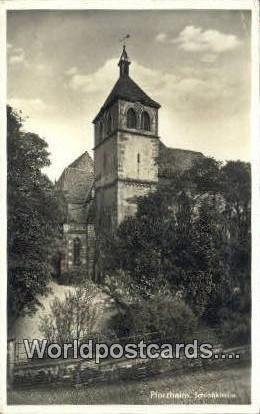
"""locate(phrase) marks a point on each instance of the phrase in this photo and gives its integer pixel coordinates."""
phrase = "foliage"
(33, 217)
(235, 329)
(125, 290)
(143, 309)
(194, 233)
(168, 315)
(73, 317)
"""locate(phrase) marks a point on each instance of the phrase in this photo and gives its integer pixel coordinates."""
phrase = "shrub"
(167, 315)
(74, 317)
(236, 330)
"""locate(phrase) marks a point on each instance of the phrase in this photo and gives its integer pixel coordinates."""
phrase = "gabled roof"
(77, 179)
(84, 161)
(126, 89)
(172, 160)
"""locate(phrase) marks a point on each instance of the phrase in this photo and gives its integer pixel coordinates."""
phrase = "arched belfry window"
(76, 251)
(131, 121)
(109, 123)
(145, 121)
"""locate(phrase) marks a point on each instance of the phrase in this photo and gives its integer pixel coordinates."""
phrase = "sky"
(195, 63)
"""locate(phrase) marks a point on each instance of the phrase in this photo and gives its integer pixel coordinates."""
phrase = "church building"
(125, 151)
(129, 161)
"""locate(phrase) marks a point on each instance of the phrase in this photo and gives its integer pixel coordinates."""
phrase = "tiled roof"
(171, 160)
(77, 179)
(125, 88)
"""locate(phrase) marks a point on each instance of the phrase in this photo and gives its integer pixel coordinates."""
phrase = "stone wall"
(106, 208)
(127, 195)
(125, 163)
(105, 169)
(137, 157)
(100, 128)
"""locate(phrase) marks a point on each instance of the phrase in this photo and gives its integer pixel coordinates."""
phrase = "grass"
(197, 387)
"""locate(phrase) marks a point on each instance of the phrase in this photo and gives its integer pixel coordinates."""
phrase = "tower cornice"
(128, 131)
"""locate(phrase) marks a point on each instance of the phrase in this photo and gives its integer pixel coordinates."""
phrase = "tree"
(166, 314)
(236, 189)
(231, 303)
(193, 232)
(33, 217)
(232, 293)
(141, 309)
(72, 318)
(168, 241)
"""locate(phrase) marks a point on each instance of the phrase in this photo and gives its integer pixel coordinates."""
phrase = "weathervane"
(124, 38)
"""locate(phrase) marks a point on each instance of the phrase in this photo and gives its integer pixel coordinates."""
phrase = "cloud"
(194, 39)
(41, 67)
(17, 55)
(93, 83)
(161, 37)
(72, 71)
(197, 91)
(200, 106)
(95, 87)
(29, 107)
(208, 58)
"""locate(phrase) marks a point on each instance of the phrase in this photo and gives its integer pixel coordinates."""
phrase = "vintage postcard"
(130, 206)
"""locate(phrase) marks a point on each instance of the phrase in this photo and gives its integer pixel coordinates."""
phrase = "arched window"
(76, 251)
(109, 123)
(145, 122)
(131, 118)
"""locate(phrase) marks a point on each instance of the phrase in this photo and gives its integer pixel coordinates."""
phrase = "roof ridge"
(179, 149)
(79, 158)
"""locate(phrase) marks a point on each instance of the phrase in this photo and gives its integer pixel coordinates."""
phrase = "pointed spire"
(124, 63)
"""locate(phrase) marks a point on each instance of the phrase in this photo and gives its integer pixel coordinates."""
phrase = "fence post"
(10, 362)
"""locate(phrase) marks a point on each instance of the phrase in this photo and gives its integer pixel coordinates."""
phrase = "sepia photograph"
(129, 195)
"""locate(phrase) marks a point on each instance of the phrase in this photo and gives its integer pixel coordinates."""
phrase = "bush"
(236, 330)
(144, 308)
(169, 316)
(73, 317)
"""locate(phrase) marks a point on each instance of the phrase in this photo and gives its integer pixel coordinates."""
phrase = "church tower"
(125, 151)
